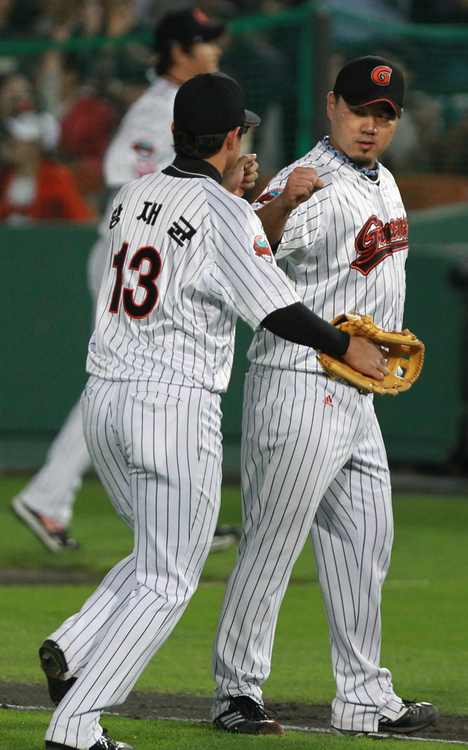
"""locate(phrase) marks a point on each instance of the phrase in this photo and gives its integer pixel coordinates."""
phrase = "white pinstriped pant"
(319, 468)
(157, 450)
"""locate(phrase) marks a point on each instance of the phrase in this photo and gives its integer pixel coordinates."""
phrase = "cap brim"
(251, 118)
(393, 104)
(398, 109)
(213, 31)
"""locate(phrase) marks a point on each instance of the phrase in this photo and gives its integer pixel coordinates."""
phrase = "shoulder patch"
(268, 196)
(144, 149)
(262, 247)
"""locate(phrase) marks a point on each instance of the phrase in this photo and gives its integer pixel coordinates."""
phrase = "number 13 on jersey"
(145, 280)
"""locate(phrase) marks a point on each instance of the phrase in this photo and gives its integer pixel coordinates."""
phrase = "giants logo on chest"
(377, 241)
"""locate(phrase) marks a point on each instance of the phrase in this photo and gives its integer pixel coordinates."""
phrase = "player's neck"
(218, 161)
(370, 171)
(176, 80)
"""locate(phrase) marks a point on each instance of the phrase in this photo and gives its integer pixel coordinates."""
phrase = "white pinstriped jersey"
(187, 258)
(143, 142)
(344, 250)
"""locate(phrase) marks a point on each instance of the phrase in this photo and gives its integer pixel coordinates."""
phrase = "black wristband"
(300, 325)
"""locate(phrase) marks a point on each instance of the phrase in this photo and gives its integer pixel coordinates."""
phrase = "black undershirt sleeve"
(300, 325)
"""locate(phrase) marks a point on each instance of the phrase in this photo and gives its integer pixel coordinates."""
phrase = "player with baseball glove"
(401, 349)
(313, 456)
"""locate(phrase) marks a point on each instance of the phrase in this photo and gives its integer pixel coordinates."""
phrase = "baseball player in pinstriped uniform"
(185, 45)
(313, 458)
(186, 258)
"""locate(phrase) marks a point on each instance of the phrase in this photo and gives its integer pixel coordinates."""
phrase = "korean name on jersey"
(186, 259)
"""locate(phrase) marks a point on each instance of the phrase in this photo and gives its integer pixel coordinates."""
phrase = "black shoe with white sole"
(52, 534)
(412, 718)
(55, 668)
(246, 716)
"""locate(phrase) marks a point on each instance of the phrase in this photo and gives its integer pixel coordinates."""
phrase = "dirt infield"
(159, 706)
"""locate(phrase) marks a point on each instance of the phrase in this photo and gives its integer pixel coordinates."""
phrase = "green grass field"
(424, 610)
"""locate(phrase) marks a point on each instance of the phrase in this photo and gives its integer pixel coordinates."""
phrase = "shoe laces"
(250, 709)
(106, 741)
(411, 706)
(407, 707)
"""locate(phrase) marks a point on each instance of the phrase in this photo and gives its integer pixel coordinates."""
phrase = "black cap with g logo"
(211, 103)
(371, 79)
(186, 27)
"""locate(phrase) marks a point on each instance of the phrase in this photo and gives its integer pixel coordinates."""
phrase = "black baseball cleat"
(225, 536)
(52, 534)
(412, 718)
(55, 668)
(246, 716)
(103, 743)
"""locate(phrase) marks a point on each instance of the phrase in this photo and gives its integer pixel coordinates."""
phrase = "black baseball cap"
(185, 27)
(211, 103)
(371, 79)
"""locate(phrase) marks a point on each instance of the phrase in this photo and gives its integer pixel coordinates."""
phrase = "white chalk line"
(286, 727)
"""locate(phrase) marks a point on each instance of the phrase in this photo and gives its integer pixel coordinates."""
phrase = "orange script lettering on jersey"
(377, 241)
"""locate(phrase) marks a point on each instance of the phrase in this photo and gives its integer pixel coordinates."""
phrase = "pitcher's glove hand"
(401, 349)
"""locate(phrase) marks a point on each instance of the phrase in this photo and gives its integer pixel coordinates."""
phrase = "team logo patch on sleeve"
(146, 154)
(268, 196)
(261, 247)
(144, 149)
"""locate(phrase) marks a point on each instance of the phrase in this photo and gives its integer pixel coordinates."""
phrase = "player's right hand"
(301, 185)
(242, 176)
(364, 356)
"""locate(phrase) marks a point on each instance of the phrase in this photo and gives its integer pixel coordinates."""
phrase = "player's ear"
(331, 103)
(231, 139)
(172, 127)
(177, 53)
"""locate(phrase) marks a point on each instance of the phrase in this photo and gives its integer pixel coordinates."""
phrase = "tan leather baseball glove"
(401, 348)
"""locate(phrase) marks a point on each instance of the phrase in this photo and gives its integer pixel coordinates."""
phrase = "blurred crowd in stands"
(60, 107)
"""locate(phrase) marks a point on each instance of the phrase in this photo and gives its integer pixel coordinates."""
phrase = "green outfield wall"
(46, 322)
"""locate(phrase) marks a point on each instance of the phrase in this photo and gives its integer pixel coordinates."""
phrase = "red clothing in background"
(86, 128)
(57, 196)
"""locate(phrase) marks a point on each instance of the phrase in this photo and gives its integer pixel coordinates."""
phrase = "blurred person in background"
(122, 69)
(59, 20)
(16, 95)
(116, 71)
(36, 187)
(185, 44)
(87, 120)
(17, 18)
